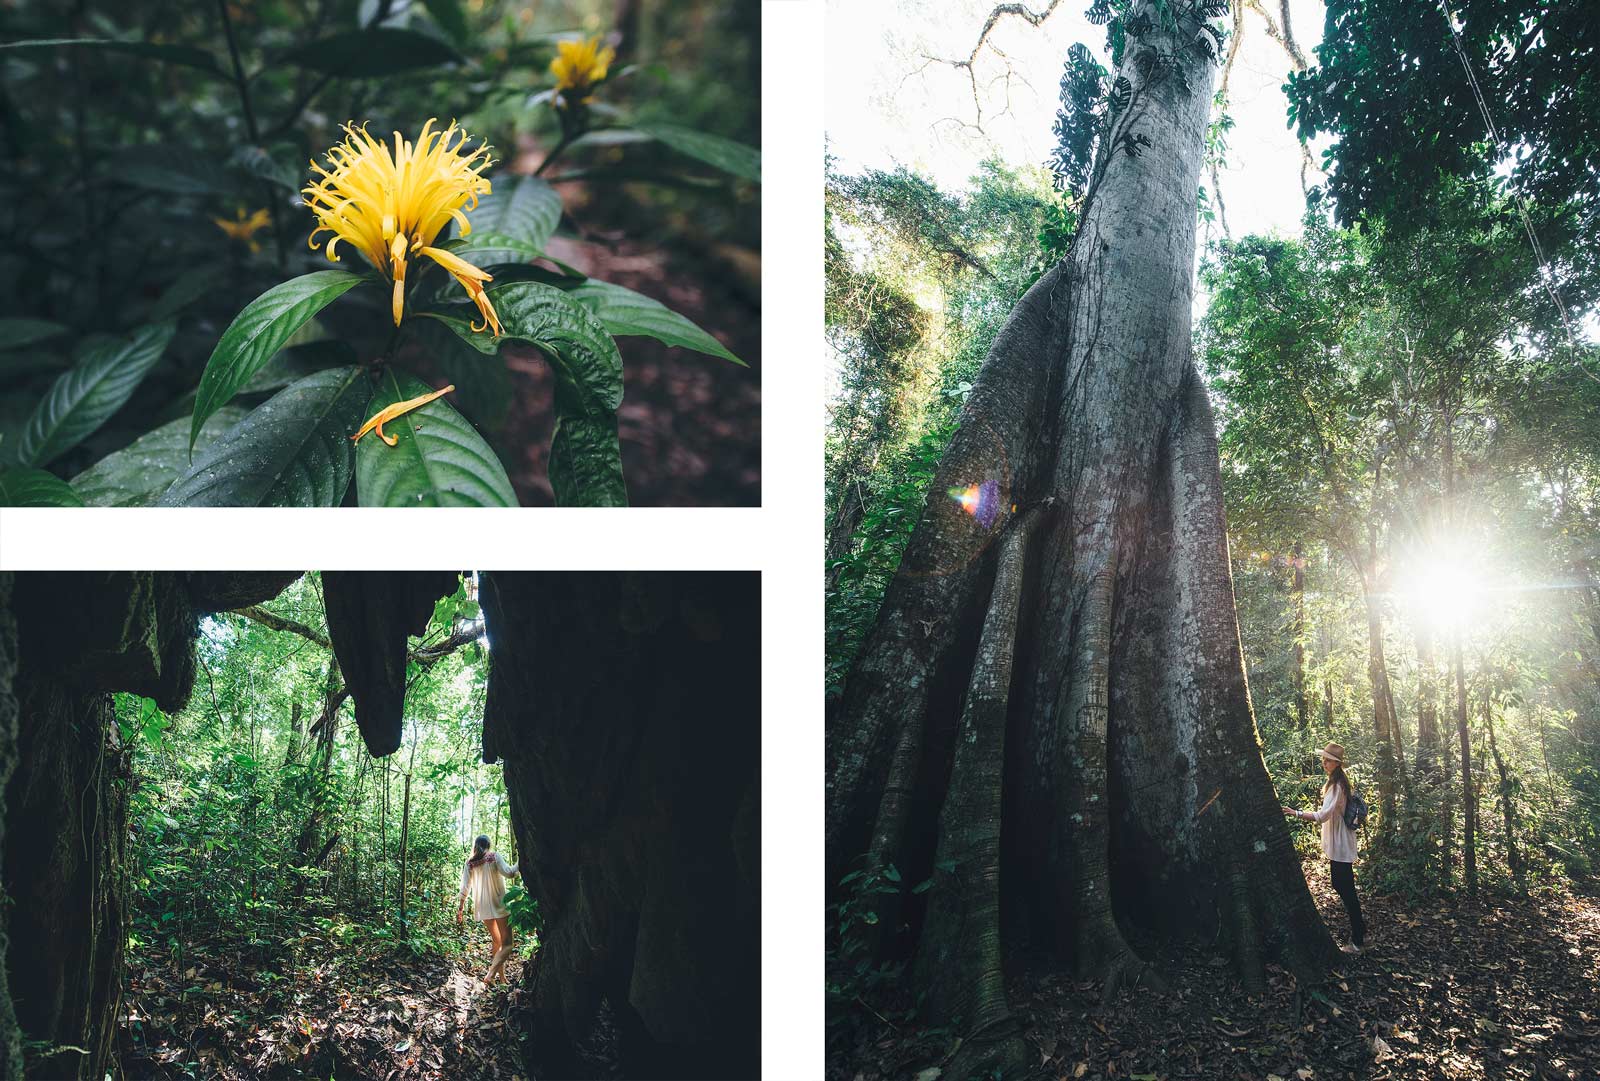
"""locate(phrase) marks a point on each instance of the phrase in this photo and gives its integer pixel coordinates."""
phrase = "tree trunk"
(1128, 675)
(1508, 811)
(1382, 704)
(405, 840)
(626, 708)
(1428, 745)
(1297, 630)
(1469, 808)
(10, 1033)
(962, 935)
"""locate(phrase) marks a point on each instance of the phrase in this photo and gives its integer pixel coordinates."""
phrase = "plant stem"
(567, 139)
(243, 86)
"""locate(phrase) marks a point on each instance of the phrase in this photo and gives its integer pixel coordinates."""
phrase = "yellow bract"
(245, 229)
(579, 65)
(398, 409)
(391, 204)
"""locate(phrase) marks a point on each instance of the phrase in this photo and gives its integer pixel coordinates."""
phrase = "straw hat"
(1334, 751)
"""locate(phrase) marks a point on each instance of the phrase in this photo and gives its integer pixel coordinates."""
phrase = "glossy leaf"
(523, 208)
(731, 157)
(138, 474)
(438, 460)
(35, 488)
(587, 365)
(374, 52)
(187, 55)
(85, 397)
(292, 451)
(624, 312)
(259, 331)
(586, 462)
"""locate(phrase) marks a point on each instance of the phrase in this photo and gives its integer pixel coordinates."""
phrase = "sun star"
(391, 203)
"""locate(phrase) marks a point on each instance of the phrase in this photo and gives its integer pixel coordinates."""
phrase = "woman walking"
(484, 876)
(1338, 841)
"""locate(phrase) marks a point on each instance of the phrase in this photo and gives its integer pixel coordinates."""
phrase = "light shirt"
(1338, 839)
(487, 885)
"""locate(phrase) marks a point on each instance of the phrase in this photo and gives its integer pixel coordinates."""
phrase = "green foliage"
(161, 120)
(233, 799)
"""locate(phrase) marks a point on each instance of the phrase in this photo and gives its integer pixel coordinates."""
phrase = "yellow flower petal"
(383, 416)
(390, 197)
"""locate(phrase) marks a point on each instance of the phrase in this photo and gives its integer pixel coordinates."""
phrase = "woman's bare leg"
(497, 932)
(503, 940)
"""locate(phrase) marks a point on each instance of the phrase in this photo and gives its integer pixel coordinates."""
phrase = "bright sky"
(887, 105)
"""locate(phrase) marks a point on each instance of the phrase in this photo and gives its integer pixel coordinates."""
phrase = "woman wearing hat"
(1338, 840)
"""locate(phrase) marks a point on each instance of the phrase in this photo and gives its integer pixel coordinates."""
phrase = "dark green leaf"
(139, 473)
(587, 365)
(523, 208)
(259, 331)
(727, 155)
(176, 170)
(438, 460)
(35, 488)
(293, 451)
(451, 19)
(185, 289)
(586, 462)
(379, 51)
(15, 333)
(86, 396)
(187, 55)
(625, 312)
(483, 249)
(295, 362)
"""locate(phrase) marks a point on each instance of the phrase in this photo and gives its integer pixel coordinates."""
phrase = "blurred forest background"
(157, 174)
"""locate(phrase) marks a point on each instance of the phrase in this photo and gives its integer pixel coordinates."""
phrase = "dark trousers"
(1344, 884)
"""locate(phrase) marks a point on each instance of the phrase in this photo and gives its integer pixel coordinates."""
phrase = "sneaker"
(1350, 947)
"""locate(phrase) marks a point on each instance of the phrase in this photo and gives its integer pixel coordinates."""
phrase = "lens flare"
(982, 501)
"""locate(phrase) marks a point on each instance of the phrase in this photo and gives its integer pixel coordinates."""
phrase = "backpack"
(1355, 810)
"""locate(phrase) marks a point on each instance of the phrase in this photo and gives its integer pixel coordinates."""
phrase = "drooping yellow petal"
(471, 279)
(383, 416)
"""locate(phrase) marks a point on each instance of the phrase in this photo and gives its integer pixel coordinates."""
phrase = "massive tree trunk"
(627, 710)
(1133, 787)
(76, 638)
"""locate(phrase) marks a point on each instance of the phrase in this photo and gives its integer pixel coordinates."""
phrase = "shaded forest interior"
(1128, 514)
(239, 806)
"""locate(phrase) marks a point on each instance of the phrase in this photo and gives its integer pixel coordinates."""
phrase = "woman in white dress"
(484, 877)
(1338, 841)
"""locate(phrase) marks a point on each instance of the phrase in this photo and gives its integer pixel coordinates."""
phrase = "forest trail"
(381, 1014)
(1505, 989)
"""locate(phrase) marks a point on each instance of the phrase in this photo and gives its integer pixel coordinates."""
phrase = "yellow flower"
(245, 229)
(392, 205)
(398, 409)
(579, 66)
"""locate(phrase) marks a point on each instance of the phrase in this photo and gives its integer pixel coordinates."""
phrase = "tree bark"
(1297, 629)
(1508, 811)
(626, 708)
(1132, 767)
(405, 840)
(1469, 809)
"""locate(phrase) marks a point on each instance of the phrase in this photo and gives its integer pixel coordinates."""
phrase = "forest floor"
(377, 1012)
(1505, 988)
